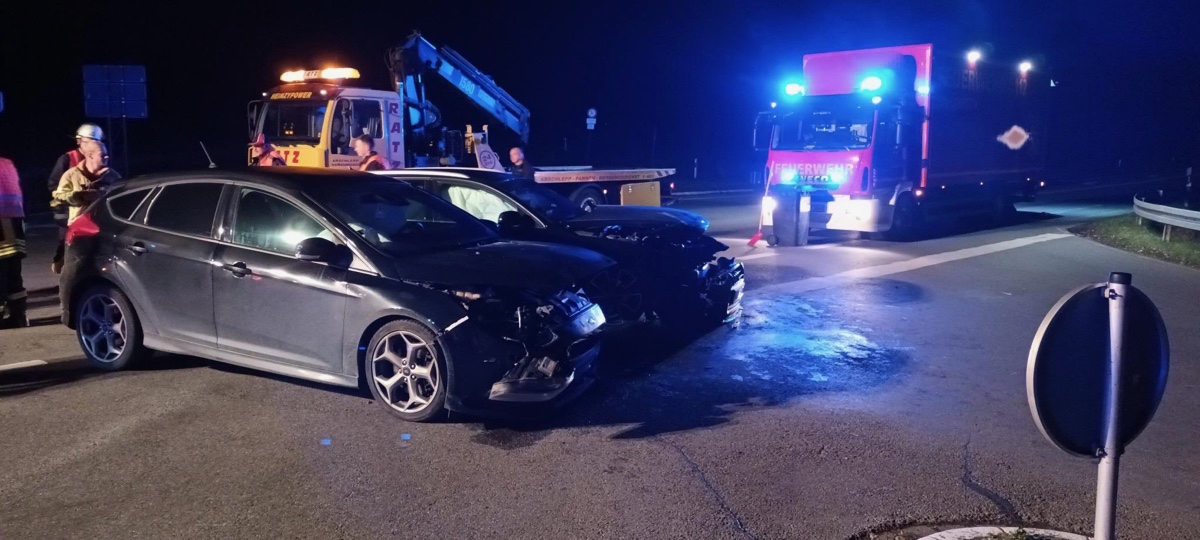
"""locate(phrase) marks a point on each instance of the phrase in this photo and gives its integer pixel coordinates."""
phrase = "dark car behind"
(669, 268)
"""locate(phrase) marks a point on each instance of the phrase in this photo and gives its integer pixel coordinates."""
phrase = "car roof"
(486, 176)
(279, 177)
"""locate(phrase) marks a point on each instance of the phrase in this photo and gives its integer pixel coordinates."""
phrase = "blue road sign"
(114, 91)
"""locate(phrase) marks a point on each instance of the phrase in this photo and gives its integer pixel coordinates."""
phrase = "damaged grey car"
(338, 277)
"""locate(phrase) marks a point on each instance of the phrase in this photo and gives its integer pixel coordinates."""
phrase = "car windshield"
(541, 200)
(837, 126)
(398, 218)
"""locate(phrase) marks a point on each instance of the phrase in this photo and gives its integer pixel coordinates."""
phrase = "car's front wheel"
(108, 329)
(405, 372)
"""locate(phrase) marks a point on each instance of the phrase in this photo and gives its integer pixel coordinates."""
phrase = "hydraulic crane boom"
(417, 56)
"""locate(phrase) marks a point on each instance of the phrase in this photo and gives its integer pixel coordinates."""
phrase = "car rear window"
(125, 204)
(185, 208)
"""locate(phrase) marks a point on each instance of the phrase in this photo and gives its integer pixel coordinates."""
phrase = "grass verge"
(1125, 233)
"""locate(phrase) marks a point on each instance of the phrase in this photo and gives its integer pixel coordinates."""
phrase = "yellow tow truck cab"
(313, 117)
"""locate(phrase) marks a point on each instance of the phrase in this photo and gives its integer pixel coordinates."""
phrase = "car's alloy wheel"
(404, 371)
(108, 329)
(102, 328)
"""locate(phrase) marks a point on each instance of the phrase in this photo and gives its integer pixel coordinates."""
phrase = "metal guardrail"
(1169, 216)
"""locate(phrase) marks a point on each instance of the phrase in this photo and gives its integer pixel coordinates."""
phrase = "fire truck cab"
(881, 140)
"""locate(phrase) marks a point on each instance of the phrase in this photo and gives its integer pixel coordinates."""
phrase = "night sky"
(673, 81)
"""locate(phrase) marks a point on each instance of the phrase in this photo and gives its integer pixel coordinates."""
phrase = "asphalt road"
(870, 384)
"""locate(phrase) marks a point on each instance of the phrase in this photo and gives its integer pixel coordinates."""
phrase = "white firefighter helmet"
(89, 131)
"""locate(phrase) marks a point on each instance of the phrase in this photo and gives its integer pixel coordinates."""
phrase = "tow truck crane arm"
(417, 56)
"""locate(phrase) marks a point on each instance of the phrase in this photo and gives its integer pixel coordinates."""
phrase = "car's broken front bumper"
(724, 286)
(544, 373)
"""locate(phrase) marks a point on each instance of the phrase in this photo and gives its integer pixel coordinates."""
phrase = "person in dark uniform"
(520, 168)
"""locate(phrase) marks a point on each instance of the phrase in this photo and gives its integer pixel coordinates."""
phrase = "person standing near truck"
(88, 136)
(12, 247)
(263, 154)
(364, 147)
(520, 168)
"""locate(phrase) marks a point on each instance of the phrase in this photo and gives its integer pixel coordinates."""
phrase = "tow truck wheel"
(588, 198)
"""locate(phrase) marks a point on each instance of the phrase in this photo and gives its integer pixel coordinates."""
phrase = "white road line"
(825, 246)
(21, 365)
(842, 278)
(758, 256)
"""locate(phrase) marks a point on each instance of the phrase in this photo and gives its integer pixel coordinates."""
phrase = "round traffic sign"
(591, 113)
(1067, 375)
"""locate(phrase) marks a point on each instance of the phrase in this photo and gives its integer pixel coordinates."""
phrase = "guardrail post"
(1166, 233)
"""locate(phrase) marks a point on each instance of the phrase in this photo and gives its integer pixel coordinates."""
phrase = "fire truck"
(883, 140)
(313, 116)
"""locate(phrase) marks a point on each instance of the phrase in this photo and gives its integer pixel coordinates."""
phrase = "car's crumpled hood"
(529, 265)
(650, 218)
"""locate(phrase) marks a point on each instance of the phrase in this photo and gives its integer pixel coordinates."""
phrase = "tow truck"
(313, 116)
(880, 141)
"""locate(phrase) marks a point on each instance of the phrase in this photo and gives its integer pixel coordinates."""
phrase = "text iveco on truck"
(885, 138)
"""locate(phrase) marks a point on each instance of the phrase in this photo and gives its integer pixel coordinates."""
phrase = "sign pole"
(1106, 480)
(125, 141)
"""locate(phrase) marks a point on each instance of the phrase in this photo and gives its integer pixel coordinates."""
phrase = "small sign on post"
(1096, 375)
(591, 119)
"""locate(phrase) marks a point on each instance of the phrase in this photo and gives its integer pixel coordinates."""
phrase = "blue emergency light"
(793, 89)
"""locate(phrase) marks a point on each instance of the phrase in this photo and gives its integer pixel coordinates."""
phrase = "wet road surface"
(869, 384)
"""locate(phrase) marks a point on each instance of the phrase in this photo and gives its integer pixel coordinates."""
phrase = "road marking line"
(758, 256)
(826, 245)
(842, 278)
(20, 365)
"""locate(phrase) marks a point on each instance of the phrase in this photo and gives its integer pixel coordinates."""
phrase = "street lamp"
(1025, 67)
(973, 56)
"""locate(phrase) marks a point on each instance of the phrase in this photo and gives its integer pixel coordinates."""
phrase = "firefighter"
(88, 136)
(364, 147)
(12, 247)
(263, 154)
(520, 168)
(86, 182)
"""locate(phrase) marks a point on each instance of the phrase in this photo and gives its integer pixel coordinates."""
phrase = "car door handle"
(238, 269)
(137, 248)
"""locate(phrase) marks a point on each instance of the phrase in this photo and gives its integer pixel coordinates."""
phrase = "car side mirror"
(322, 250)
(514, 221)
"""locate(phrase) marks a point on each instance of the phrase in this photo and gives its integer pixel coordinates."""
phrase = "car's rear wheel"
(108, 329)
(406, 373)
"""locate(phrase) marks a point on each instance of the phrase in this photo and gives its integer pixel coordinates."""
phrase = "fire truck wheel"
(907, 221)
(772, 240)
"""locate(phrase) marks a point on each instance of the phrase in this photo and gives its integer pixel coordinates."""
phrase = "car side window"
(268, 222)
(478, 202)
(125, 204)
(185, 208)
